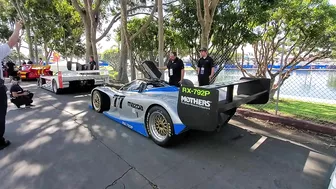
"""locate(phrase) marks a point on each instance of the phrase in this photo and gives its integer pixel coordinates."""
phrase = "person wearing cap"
(205, 68)
(5, 50)
(19, 96)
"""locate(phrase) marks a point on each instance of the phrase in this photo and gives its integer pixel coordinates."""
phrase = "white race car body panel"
(64, 79)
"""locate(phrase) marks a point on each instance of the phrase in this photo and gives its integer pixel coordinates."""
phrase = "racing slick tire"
(100, 102)
(160, 126)
(187, 83)
(54, 87)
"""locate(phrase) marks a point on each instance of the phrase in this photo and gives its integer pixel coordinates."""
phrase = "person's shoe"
(5, 144)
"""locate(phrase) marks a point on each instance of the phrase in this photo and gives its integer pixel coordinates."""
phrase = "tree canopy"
(302, 30)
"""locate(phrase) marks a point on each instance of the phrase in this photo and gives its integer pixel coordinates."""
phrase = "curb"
(299, 124)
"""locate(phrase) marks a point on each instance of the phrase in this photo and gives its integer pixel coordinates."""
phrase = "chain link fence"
(309, 94)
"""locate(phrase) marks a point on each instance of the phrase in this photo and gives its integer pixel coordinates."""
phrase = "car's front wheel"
(99, 101)
(160, 126)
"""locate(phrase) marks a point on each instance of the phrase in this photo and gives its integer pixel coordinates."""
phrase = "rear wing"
(200, 107)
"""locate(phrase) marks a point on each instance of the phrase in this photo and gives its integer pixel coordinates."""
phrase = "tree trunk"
(30, 42)
(122, 71)
(88, 44)
(36, 51)
(132, 60)
(161, 39)
(205, 36)
(91, 16)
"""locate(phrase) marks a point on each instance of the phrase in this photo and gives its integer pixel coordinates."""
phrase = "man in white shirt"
(5, 50)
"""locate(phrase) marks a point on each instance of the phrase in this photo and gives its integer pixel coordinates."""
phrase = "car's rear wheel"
(99, 101)
(39, 82)
(54, 87)
(160, 126)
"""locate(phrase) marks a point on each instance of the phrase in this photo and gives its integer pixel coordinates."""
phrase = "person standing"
(5, 50)
(175, 68)
(41, 62)
(205, 68)
(11, 70)
(92, 64)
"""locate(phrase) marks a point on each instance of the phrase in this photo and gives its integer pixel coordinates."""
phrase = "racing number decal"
(120, 98)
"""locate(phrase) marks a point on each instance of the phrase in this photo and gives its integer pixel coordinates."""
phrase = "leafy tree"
(145, 46)
(112, 56)
(205, 16)
(7, 19)
(69, 30)
(304, 31)
(94, 13)
(229, 22)
(22, 9)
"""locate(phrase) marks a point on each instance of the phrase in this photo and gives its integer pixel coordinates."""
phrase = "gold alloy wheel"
(159, 126)
(96, 100)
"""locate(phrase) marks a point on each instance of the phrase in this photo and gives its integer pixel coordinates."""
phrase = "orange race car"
(31, 71)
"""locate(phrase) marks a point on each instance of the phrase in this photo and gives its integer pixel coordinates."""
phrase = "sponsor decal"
(198, 92)
(127, 125)
(134, 105)
(199, 103)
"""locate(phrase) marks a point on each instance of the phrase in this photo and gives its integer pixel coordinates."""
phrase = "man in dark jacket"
(205, 68)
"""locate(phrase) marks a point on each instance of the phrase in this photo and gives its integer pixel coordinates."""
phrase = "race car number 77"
(116, 98)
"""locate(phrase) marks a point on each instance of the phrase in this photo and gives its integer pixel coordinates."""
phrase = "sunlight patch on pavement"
(25, 169)
(69, 126)
(81, 96)
(314, 165)
(97, 130)
(32, 125)
(112, 134)
(5, 161)
(80, 135)
(36, 143)
(258, 143)
(48, 131)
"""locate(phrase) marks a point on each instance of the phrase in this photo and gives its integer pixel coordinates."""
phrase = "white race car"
(73, 79)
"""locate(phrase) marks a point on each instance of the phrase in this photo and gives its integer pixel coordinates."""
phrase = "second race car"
(157, 110)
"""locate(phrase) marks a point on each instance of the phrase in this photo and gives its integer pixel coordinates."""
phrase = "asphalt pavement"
(61, 143)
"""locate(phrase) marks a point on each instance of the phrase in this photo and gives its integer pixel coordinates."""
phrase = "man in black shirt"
(10, 69)
(175, 68)
(19, 96)
(205, 68)
(92, 63)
